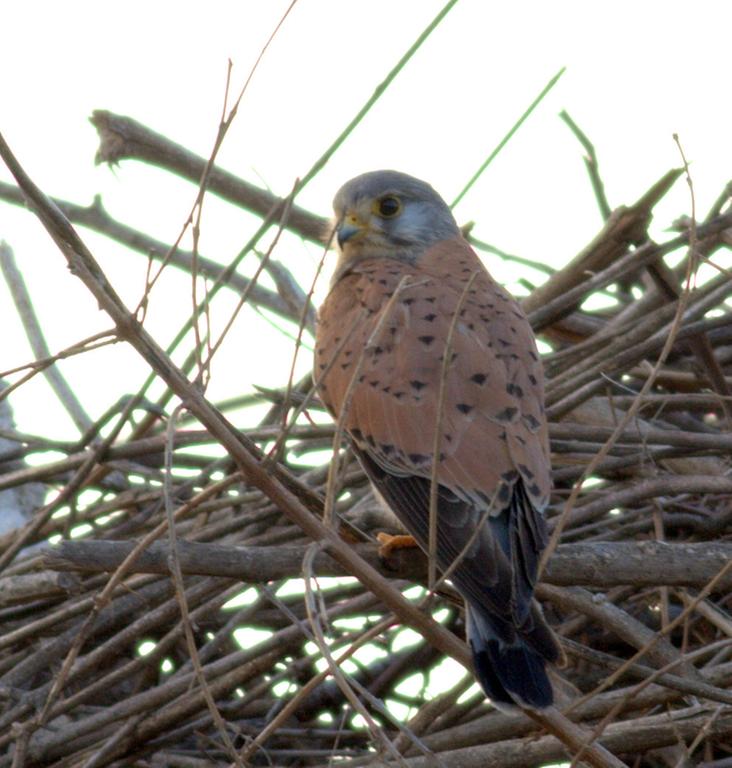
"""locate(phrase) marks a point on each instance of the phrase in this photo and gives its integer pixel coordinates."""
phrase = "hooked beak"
(348, 227)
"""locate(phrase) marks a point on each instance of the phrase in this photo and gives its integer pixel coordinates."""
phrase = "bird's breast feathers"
(384, 333)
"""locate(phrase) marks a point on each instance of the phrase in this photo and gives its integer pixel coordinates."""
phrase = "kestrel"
(433, 369)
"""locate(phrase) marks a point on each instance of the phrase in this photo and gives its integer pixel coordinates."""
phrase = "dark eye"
(388, 206)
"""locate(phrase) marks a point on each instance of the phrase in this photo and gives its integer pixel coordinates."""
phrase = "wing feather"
(493, 447)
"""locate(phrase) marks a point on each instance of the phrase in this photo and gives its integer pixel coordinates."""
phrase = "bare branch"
(601, 564)
(122, 138)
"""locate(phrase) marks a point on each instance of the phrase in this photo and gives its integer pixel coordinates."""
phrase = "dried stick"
(96, 218)
(592, 165)
(177, 576)
(625, 226)
(632, 737)
(122, 138)
(592, 564)
(24, 306)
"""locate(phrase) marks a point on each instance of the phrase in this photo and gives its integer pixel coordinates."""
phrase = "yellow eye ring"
(388, 206)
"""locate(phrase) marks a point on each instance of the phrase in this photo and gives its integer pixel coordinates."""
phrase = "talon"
(389, 543)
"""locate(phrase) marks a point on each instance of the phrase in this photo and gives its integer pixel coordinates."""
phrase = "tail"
(510, 664)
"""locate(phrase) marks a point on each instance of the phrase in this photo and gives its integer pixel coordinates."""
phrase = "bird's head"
(387, 214)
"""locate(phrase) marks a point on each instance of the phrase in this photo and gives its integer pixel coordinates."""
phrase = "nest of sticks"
(190, 620)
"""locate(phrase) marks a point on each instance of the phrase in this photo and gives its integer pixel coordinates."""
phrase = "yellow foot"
(389, 543)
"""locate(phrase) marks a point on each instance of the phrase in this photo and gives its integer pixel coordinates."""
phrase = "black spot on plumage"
(344, 366)
(407, 302)
(386, 389)
(430, 299)
(507, 414)
(386, 448)
(418, 458)
(504, 343)
(374, 382)
(427, 340)
(504, 493)
(357, 434)
(378, 350)
(532, 422)
(322, 366)
(533, 356)
(464, 408)
(515, 390)
(399, 395)
(479, 378)
(429, 317)
(415, 384)
(534, 490)
(510, 476)
(532, 379)
(525, 471)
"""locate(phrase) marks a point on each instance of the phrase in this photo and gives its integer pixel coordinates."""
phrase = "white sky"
(636, 73)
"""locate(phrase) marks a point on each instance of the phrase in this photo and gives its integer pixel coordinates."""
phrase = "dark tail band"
(512, 675)
(511, 664)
